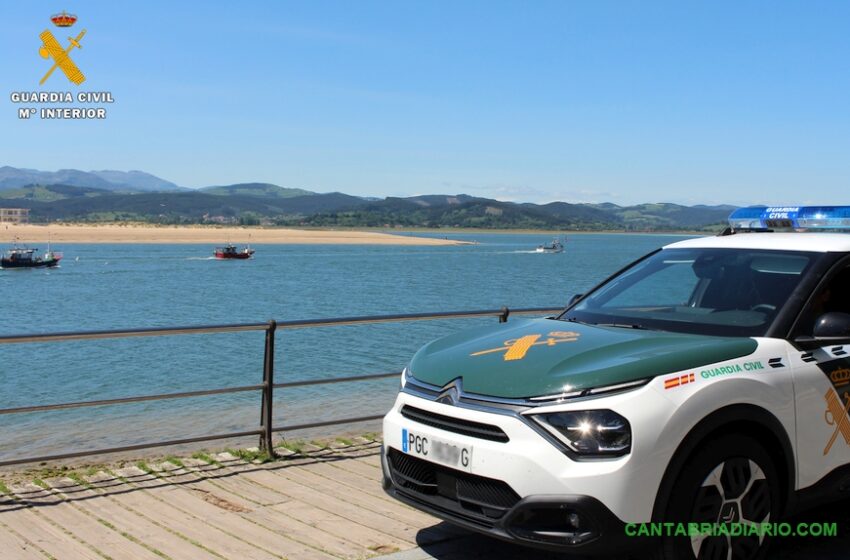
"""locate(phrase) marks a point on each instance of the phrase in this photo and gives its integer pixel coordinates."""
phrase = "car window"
(833, 296)
(671, 285)
(735, 292)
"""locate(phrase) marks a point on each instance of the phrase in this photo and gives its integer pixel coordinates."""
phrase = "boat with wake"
(232, 252)
(556, 246)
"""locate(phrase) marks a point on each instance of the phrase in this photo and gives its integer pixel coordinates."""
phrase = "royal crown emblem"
(64, 19)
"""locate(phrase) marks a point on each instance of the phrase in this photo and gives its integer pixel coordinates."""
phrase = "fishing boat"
(231, 252)
(24, 257)
(556, 246)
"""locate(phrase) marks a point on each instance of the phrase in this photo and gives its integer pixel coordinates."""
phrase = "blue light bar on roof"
(791, 217)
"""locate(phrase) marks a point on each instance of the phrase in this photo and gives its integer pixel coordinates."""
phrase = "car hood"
(530, 358)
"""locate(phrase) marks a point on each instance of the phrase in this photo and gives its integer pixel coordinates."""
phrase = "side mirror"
(574, 299)
(833, 325)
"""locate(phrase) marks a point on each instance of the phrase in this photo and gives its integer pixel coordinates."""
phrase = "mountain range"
(96, 196)
(119, 181)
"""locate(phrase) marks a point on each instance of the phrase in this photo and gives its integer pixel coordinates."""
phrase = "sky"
(742, 102)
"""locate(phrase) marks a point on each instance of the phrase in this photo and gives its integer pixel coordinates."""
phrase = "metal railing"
(267, 387)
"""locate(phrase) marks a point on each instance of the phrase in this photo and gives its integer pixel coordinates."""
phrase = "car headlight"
(404, 375)
(589, 433)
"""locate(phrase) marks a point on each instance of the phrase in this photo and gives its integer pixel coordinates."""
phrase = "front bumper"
(577, 524)
(518, 486)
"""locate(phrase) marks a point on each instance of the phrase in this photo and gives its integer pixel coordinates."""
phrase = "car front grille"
(456, 425)
(475, 498)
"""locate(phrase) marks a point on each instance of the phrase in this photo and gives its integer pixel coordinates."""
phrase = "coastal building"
(219, 219)
(14, 215)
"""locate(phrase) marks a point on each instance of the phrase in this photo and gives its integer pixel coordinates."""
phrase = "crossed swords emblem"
(836, 415)
(51, 48)
(517, 348)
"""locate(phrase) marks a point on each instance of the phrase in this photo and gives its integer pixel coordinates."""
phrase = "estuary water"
(134, 286)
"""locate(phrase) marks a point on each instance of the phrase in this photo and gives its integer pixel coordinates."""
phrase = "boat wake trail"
(200, 258)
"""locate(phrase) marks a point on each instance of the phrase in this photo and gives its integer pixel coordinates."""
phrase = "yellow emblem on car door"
(836, 415)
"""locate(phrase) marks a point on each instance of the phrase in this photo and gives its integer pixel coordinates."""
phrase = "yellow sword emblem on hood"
(516, 349)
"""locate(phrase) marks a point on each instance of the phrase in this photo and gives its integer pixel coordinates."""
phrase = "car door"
(821, 373)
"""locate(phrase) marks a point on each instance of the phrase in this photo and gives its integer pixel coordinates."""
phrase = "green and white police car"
(707, 382)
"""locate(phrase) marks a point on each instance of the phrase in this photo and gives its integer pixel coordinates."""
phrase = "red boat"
(231, 252)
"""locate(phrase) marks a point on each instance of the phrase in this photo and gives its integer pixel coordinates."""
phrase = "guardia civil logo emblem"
(51, 49)
(517, 349)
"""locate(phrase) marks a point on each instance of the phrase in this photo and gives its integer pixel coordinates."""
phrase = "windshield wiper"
(622, 326)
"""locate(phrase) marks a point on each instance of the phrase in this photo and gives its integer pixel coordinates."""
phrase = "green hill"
(477, 213)
(57, 202)
(49, 193)
(263, 190)
(256, 203)
(669, 216)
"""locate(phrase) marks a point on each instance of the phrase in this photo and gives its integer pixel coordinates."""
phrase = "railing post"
(503, 317)
(268, 391)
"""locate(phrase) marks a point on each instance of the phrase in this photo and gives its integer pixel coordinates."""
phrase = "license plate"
(428, 447)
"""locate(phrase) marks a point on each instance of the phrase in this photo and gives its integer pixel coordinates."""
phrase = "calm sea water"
(131, 286)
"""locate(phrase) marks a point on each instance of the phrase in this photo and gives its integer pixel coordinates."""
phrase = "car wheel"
(731, 479)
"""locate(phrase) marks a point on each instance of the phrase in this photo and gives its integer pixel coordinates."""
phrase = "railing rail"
(129, 333)
(266, 388)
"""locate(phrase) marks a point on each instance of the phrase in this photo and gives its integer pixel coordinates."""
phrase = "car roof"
(813, 242)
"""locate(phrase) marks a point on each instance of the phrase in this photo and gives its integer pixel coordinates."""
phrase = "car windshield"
(726, 292)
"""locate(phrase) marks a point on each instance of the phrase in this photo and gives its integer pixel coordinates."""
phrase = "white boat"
(556, 246)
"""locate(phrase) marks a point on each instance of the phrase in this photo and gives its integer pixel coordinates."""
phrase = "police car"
(707, 382)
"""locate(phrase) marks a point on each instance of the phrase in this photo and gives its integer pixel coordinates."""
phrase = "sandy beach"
(118, 233)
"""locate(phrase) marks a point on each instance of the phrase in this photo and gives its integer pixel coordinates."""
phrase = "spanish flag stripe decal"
(679, 380)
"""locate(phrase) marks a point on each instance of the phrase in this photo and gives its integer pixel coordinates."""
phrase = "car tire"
(729, 479)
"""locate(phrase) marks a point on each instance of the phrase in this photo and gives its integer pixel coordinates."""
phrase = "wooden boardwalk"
(320, 505)
(323, 505)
